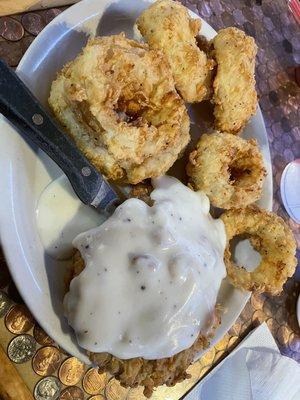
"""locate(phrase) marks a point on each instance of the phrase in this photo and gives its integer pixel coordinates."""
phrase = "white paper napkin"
(255, 370)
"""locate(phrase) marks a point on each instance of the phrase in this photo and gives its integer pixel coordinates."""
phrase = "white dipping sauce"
(245, 255)
(151, 277)
(61, 216)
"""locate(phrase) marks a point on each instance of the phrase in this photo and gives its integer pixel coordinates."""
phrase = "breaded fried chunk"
(166, 25)
(234, 95)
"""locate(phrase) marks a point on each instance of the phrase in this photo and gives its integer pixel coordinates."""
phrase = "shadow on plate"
(120, 17)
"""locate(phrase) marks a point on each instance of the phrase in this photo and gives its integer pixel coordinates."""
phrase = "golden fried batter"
(272, 238)
(234, 96)
(148, 373)
(118, 102)
(142, 191)
(229, 169)
(166, 25)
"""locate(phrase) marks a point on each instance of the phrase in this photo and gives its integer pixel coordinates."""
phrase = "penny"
(46, 360)
(11, 53)
(33, 23)
(72, 393)
(21, 348)
(71, 371)
(41, 336)
(97, 397)
(93, 382)
(5, 304)
(11, 29)
(26, 42)
(114, 391)
(47, 389)
(51, 14)
(18, 319)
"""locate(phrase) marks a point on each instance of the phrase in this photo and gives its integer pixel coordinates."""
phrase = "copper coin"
(71, 371)
(18, 319)
(47, 389)
(11, 53)
(114, 391)
(33, 23)
(46, 361)
(97, 397)
(11, 29)
(5, 304)
(51, 14)
(93, 382)
(26, 42)
(21, 348)
(72, 393)
(41, 336)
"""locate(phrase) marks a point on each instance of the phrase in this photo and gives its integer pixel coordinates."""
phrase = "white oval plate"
(25, 171)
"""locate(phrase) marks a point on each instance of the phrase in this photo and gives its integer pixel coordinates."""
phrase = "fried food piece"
(151, 373)
(272, 238)
(229, 169)
(142, 191)
(148, 373)
(234, 96)
(118, 102)
(166, 25)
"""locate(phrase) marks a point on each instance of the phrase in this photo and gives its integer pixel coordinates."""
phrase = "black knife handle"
(24, 111)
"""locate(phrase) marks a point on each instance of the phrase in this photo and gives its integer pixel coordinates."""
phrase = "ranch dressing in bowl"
(151, 276)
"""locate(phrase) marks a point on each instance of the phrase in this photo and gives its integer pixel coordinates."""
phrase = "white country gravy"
(151, 277)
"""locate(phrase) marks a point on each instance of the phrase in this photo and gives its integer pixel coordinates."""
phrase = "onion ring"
(272, 238)
(117, 100)
(228, 169)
